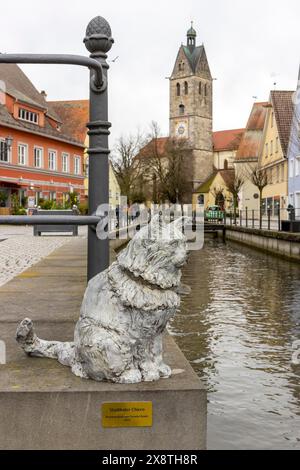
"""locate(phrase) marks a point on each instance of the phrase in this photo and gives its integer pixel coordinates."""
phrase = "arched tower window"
(181, 109)
(205, 89)
(200, 88)
(186, 88)
(225, 164)
(178, 89)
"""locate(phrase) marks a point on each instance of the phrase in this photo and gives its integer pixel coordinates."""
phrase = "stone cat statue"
(124, 312)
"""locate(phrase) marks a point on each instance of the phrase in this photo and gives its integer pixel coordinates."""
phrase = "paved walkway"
(19, 249)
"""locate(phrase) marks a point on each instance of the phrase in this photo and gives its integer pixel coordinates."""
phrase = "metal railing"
(287, 219)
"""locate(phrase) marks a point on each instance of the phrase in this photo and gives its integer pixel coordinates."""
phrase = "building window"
(282, 172)
(178, 89)
(200, 88)
(272, 119)
(201, 199)
(277, 145)
(52, 195)
(297, 166)
(4, 152)
(77, 165)
(271, 148)
(291, 169)
(86, 167)
(181, 109)
(38, 197)
(52, 159)
(263, 206)
(28, 116)
(225, 164)
(205, 89)
(22, 154)
(267, 150)
(186, 88)
(65, 162)
(38, 157)
(181, 66)
(277, 173)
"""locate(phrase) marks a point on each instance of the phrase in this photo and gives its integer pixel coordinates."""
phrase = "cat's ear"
(181, 222)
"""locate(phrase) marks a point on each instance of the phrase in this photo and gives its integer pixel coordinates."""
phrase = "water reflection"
(237, 328)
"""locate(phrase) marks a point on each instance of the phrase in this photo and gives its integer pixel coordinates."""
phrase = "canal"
(237, 328)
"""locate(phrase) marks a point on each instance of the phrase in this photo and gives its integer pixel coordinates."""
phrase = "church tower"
(191, 106)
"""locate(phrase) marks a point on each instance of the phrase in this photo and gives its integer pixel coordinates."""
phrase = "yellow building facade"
(214, 191)
(114, 188)
(273, 151)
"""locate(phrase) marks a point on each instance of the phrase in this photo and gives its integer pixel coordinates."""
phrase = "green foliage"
(84, 207)
(73, 199)
(15, 203)
(48, 205)
(3, 196)
(21, 211)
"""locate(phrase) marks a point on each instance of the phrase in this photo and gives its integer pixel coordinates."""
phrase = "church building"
(191, 95)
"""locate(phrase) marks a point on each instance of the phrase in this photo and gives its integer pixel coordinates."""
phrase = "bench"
(38, 229)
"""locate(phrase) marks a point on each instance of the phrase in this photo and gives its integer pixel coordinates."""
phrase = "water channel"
(237, 328)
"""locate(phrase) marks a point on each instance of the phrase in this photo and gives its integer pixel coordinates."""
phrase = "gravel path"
(19, 249)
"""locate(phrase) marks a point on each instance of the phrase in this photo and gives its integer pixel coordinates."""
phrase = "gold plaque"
(127, 414)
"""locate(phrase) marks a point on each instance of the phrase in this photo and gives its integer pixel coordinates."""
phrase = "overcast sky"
(249, 44)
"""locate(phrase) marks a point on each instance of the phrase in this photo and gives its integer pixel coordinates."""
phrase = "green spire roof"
(191, 32)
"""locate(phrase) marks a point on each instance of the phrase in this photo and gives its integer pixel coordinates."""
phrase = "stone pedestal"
(44, 406)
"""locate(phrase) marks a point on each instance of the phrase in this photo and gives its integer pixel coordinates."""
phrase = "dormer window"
(28, 116)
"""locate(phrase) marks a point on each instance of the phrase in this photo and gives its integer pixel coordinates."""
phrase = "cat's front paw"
(165, 371)
(131, 376)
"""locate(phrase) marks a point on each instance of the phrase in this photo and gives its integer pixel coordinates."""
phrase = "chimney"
(44, 94)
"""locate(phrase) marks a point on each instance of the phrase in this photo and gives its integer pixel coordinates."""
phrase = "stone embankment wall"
(279, 243)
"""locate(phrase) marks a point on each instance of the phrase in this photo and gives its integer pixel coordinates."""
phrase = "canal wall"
(282, 244)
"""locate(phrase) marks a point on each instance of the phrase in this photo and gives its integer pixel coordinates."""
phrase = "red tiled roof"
(250, 142)
(227, 140)
(283, 111)
(74, 115)
(18, 85)
(159, 142)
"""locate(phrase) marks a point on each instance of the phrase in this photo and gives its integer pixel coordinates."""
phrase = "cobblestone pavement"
(19, 249)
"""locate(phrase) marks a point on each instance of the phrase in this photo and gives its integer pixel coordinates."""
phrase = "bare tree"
(234, 186)
(125, 164)
(167, 164)
(260, 178)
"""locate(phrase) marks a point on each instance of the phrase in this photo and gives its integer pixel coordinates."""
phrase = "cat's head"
(157, 252)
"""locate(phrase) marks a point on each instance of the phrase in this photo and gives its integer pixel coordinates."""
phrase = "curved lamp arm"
(98, 82)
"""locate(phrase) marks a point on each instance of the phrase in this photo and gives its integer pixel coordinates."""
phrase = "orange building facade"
(43, 161)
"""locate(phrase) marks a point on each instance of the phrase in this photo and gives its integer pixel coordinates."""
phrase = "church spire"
(191, 37)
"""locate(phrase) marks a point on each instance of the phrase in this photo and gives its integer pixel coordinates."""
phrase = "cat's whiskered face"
(156, 254)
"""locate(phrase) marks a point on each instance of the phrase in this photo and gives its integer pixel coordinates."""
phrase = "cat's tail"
(64, 352)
